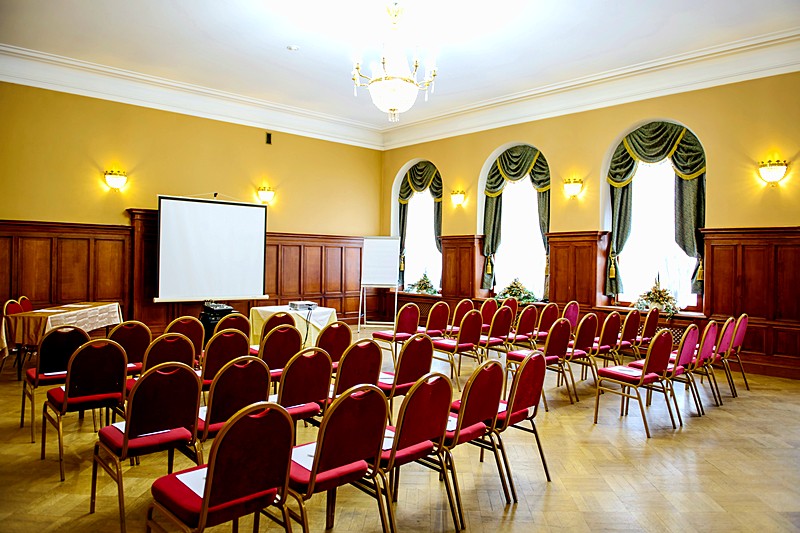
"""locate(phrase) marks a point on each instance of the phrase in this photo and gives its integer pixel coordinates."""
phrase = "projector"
(302, 306)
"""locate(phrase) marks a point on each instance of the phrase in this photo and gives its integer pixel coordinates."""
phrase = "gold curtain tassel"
(547, 265)
(402, 263)
(489, 265)
(612, 271)
(700, 271)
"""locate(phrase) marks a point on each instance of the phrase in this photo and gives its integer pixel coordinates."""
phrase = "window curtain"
(651, 143)
(512, 165)
(423, 175)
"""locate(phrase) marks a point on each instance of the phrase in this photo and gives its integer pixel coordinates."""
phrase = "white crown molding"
(48, 71)
(768, 55)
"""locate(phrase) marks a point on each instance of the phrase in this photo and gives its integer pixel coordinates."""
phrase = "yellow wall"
(55, 146)
(738, 125)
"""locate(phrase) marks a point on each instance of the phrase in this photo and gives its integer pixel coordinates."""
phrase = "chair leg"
(32, 397)
(729, 376)
(741, 368)
(712, 377)
(541, 450)
(500, 469)
(383, 495)
(452, 467)
(507, 466)
(641, 408)
(330, 508)
(675, 401)
(596, 401)
(669, 406)
(22, 409)
(572, 378)
(544, 399)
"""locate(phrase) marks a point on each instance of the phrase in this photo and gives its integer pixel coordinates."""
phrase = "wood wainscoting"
(578, 267)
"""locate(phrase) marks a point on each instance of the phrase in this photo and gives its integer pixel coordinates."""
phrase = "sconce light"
(266, 195)
(458, 197)
(116, 179)
(573, 187)
(772, 171)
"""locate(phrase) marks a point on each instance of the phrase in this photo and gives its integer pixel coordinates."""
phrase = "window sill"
(682, 315)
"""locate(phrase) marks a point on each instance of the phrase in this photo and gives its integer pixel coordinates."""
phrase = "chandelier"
(393, 85)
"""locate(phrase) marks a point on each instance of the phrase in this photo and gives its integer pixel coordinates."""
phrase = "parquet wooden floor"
(735, 469)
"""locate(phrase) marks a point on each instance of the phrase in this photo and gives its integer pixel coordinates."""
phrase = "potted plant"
(423, 286)
(517, 291)
(658, 297)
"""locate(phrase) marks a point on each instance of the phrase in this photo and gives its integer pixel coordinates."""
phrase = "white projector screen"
(210, 250)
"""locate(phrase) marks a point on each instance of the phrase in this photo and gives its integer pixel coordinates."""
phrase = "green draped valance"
(421, 176)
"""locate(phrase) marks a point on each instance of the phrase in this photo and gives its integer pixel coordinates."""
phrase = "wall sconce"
(458, 197)
(266, 195)
(116, 179)
(772, 171)
(573, 187)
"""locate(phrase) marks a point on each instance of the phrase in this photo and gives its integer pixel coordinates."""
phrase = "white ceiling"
(499, 62)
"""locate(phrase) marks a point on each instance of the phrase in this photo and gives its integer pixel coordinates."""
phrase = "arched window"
(516, 221)
(661, 203)
(420, 224)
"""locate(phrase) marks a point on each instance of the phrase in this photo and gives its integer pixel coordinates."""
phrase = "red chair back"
(234, 321)
(360, 365)
(571, 312)
(407, 319)
(739, 332)
(630, 328)
(169, 348)
(528, 318)
(481, 396)
(166, 397)
(501, 323)
(437, 319)
(278, 319)
(306, 378)
(352, 430)
(511, 303)
(526, 389)
(423, 413)
(225, 346)
(687, 346)
(658, 353)
(470, 329)
(12, 307)
(558, 339)
(25, 303)
(56, 349)
(548, 315)
(705, 350)
(279, 345)
(462, 308)
(239, 383)
(725, 338)
(251, 456)
(415, 359)
(650, 324)
(586, 332)
(610, 332)
(134, 337)
(334, 339)
(97, 369)
(191, 328)
(488, 309)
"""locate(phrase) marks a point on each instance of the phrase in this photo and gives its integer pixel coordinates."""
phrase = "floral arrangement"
(423, 286)
(517, 291)
(657, 297)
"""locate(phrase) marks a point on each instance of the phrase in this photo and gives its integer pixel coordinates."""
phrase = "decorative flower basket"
(423, 286)
(658, 298)
(517, 291)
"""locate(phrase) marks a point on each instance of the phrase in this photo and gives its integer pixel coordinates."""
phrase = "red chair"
(648, 330)
(418, 436)
(609, 336)
(278, 319)
(360, 365)
(55, 350)
(234, 321)
(572, 312)
(626, 343)
(473, 423)
(628, 378)
(721, 348)
(247, 471)
(347, 449)
(25, 303)
(497, 337)
(161, 414)
(404, 327)
(523, 332)
(305, 384)
(191, 328)
(95, 379)
(278, 346)
(466, 343)
(701, 362)
(12, 307)
(239, 383)
(135, 338)
(488, 309)
(734, 352)
(414, 361)
(436, 325)
(512, 304)
(462, 308)
(167, 348)
(522, 405)
(580, 348)
(546, 319)
(555, 353)
(335, 339)
(222, 348)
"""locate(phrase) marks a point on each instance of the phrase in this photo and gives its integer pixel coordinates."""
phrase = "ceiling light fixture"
(393, 85)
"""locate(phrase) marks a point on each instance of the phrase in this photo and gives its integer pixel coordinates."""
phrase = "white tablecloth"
(309, 325)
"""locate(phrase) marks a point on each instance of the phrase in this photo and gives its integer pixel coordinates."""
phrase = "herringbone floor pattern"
(735, 469)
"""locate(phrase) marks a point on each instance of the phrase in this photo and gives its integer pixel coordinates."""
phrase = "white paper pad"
(388, 439)
(44, 310)
(627, 370)
(76, 306)
(387, 378)
(195, 480)
(121, 426)
(502, 407)
(304, 455)
(62, 373)
(201, 413)
(273, 398)
(131, 365)
(451, 423)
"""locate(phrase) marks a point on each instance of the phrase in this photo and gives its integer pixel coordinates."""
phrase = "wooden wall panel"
(462, 264)
(334, 265)
(352, 269)
(313, 269)
(755, 274)
(722, 264)
(110, 272)
(290, 271)
(788, 275)
(6, 268)
(271, 269)
(36, 268)
(73, 270)
(577, 267)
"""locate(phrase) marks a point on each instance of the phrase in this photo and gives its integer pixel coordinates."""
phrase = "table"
(29, 328)
(308, 325)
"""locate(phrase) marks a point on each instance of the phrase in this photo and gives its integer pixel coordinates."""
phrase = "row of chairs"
(19, 353)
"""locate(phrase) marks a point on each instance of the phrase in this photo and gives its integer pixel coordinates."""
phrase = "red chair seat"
(299, 477)
(626, 374)
(129, 384)
(447, 345)
(579, 354)
(390, 336)
(55, 378)
(430, 332)
(307, 410)
(408, 454)
(400, 390)
(518, 337)
(467, 434)
(113, 437)
(275, 375)
(516, 417)
(519, 355)
(134, 368)
(182, 501)
(254, 349)
(213, 429)
(624, 344)
(490, 341)
(640, 365)
(56, 397)
(605, 348)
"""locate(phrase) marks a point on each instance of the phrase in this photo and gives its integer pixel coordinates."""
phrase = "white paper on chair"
(304, 455)
(386, 378)
(121, 426)
(201, 413)
(272, 398)
(63, 373)
(502, 407)
(451, 423)
(388, 439)
(195, 480)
